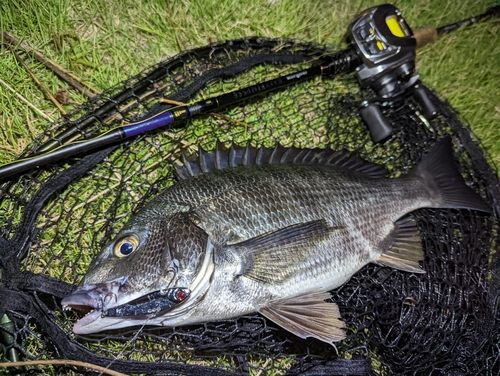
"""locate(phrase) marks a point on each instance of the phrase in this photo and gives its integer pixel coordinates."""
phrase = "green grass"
(106, 41)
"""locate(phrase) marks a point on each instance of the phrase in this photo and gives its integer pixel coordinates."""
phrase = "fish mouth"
(90, 318)
(148, 305)
(107, 309)
(93, 299)
(93, 296)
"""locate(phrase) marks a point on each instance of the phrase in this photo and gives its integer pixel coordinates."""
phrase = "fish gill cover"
(54, 221)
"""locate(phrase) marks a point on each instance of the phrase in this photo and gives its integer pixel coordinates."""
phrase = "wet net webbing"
(55, 219)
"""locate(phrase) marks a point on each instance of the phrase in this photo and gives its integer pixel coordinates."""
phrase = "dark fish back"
(251, 200)
(247, 190)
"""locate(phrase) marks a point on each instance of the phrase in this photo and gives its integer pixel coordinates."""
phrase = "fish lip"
(81, 298)
(81, 325)
(94, 298)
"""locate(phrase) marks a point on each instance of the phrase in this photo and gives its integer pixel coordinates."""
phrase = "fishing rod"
(382, 55)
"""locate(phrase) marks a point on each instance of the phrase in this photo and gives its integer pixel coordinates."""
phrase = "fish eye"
(125, 246)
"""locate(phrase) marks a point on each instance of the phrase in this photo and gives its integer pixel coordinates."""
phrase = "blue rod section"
(343, 61)
(157, 121)
(65, 151)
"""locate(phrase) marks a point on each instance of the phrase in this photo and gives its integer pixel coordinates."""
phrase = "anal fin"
(406, 250)
(308, 316)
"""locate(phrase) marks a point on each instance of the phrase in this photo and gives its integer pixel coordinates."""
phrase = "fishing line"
(127, 344)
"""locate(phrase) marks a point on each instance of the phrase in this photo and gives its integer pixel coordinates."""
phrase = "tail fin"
(439, 172)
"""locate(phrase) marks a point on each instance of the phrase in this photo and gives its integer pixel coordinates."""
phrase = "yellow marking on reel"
(380, 45)
(394, 26)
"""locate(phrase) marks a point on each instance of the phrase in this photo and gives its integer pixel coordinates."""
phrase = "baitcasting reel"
(386, 48)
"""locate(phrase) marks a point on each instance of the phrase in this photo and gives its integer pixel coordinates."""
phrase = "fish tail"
(442, 178)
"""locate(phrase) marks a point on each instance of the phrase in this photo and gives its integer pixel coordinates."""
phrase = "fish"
(267, 230)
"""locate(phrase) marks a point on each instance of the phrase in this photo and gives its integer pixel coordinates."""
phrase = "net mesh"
(55, 219)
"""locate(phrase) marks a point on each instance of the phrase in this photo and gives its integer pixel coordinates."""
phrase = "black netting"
(54, 220)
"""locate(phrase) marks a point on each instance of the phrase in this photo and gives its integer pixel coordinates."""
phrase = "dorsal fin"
(248, 155)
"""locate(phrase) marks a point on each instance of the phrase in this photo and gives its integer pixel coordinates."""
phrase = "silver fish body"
(269, 231)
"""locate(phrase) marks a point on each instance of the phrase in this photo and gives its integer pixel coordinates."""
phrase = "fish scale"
(284, 206)
(264, 235)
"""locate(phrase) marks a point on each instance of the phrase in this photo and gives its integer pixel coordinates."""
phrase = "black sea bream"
(264, 230)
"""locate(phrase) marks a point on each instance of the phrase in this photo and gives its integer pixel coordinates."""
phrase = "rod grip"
(425, 35)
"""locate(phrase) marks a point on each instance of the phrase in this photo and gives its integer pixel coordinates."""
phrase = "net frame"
(397, 322)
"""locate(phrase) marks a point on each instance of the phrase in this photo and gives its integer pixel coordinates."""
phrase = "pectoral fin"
(274, 257)
(308, 316)
(406, 251)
